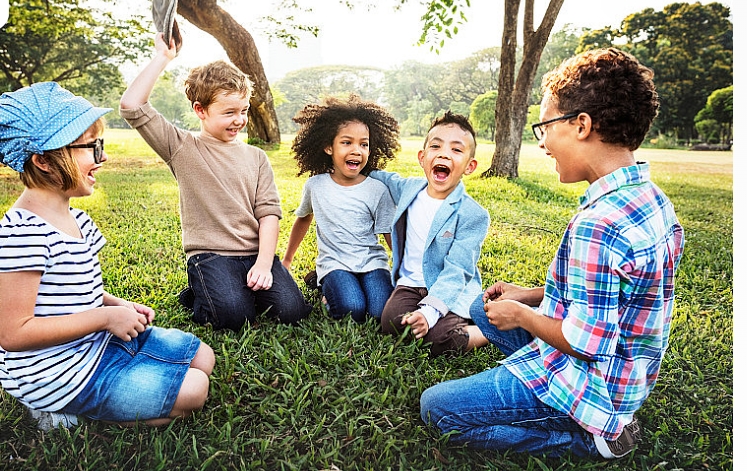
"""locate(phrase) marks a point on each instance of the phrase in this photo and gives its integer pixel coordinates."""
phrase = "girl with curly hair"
(339, 142)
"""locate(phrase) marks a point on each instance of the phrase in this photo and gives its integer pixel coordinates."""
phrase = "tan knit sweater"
(224, 187)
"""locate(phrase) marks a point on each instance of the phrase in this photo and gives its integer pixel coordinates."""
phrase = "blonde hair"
(205, 82)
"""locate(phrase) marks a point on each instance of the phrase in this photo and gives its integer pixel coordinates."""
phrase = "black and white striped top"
(49, 378)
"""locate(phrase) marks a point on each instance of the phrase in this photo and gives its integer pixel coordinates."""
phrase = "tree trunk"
(242, 51)
(514, 90)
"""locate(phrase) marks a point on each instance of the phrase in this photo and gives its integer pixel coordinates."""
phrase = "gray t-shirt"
(348, 221)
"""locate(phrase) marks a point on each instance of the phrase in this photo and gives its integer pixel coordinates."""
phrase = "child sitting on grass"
(339, 143)
(437, 236)
(68, 348)
(584, 351)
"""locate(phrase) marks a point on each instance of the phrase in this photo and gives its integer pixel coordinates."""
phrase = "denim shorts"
(139, 379)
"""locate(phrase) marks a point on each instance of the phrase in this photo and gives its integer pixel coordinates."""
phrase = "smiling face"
(86, 163)
(560, 143)
(349, 152)
(448, 154)
(225, 117)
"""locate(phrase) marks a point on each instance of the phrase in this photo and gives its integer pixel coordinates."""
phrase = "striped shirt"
(612, 284)
(49, 378)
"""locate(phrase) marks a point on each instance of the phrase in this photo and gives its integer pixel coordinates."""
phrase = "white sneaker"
(51, 420)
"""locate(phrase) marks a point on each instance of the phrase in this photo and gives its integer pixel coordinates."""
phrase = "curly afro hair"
(610, 85)
(320, 123)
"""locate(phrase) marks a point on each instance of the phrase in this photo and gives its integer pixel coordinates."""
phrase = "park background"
(689, 423)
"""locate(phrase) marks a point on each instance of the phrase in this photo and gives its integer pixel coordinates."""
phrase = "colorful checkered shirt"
(612, 284)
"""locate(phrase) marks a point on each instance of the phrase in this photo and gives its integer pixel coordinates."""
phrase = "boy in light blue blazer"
(437, 236)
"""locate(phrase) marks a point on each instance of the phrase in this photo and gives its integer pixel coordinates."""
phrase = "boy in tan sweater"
(229, 204)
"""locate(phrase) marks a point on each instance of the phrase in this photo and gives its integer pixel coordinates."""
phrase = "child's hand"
(162, 48)
(504, 291)
(418, 323)
(259, 278)
(504, 314)
(125, 322)
(148, 312)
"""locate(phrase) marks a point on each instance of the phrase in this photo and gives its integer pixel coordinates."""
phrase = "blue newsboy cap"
(42, 116)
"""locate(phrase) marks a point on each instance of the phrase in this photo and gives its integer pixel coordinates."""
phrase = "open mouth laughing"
(441, 172)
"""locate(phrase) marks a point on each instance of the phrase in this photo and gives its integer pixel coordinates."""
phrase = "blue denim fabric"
(223, 299)
(507, 341)
(356, 293)
(139, 379)
(494, 410)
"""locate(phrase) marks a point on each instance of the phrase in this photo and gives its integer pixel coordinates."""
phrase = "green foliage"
(482, 114)
(304, 86)
(688, 67)
(714, 122)
(441, 21)
(69, 42)
(339, 395)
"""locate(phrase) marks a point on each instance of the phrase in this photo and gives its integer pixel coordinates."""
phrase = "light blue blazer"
(452, 248)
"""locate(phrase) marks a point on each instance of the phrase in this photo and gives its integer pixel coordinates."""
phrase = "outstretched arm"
(138, 92)
(298, 232)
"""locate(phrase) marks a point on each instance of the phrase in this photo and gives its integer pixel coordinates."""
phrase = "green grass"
(337, 395)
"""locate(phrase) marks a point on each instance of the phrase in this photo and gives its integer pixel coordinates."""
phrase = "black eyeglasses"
(540, 128)
(97, 146)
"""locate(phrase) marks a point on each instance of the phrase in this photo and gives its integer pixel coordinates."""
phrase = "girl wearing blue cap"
(67, 347)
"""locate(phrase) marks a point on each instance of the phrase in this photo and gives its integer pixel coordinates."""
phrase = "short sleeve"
(590, 324)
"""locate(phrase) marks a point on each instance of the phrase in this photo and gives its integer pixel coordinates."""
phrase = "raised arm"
(138, 92)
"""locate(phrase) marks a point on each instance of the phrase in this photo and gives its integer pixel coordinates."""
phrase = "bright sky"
(385, 38)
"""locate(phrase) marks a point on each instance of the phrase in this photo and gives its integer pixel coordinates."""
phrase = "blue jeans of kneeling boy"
(494, 410)
(356, 293)
(223, 299)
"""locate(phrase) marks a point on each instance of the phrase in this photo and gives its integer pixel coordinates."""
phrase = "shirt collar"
(633, 175)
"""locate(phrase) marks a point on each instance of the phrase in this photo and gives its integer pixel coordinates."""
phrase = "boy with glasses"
(584, 351)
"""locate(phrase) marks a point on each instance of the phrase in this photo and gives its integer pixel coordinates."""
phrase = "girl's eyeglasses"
(97, 146)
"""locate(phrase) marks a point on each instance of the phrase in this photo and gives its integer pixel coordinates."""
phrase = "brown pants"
(449, 333)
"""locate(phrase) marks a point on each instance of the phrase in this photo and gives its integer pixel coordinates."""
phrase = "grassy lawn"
(340, 396)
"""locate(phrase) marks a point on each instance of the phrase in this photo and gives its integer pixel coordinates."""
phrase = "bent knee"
(192, 394)
(204, 359)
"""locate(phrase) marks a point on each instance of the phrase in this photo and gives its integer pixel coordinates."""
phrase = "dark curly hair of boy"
(320, 123)
(610, 85)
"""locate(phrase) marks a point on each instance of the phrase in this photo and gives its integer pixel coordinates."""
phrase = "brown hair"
(205, 82)
(613, 88)
(320, 123)
(63, 172)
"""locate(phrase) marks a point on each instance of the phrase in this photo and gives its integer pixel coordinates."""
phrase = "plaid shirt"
(612, 284)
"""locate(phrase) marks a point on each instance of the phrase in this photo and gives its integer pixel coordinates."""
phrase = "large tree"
(514, 88)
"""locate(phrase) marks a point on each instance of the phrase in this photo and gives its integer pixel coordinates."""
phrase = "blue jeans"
(223, 299)
(494, 410)
(356, 293)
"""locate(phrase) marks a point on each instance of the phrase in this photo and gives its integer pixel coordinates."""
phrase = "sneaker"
(187, 298)
(51, 420)
(624, 444)
(311, 281)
